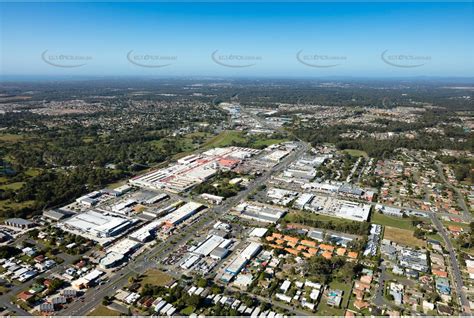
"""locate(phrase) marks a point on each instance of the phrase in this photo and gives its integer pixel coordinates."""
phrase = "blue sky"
(246, 39)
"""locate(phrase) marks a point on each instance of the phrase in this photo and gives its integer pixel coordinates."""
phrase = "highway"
(94, 296)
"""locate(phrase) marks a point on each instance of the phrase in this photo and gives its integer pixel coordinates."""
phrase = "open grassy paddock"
(155, 277)
(228, 137)
(291, 217)
(10, 137)
(385, 220)
(12, 186)
(403, 237)
(225, 138)
(103, 311)
(355, 153)
(8, 204)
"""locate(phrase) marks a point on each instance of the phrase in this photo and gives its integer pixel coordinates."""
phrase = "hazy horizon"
(381, 40)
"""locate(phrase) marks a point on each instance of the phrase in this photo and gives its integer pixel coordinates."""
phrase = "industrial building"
(124, 207)
(258, 232)
(339, 208)
(145, 232)
(353, 211)
(276, 156)
(111, 260)
(304, 168)
(182, 213)
(118, 252)
(19, 223)
(391, 211)
(211, 243)
(193, 169)
(163, 211)
(88, 280)
(89, 199)
(211, 198)
(240, 261)
(342, 189)
(157, 198)
(260, 212)
(303, 200)
(189, 261)
(281, 196)
(219, 253)
(236, 266)
(56, 215)
(97, 224)
(251, 250)
(123, 189)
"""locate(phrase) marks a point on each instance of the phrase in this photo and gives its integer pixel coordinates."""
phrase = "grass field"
(3, 290)
(33, 172)
(10, 137)
(103, 311)
(155, 277)
(290, 217)
(116, 184)
(386, 220)
(88, 139)
(464, 226)
(7, 204)
(355, 153)
(267, 142)
(436, 237)
(184, 144)
(188, 310)
(188, 143)
(12, 186)
(225, 138)
(403, 237)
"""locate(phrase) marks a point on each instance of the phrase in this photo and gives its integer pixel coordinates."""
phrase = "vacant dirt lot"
(403, 237)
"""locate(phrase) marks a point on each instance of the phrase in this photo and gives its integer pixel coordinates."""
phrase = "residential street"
(454, 263)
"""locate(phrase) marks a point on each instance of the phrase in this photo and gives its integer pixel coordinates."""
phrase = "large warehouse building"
(193, 169)
(209, 245)
(97, 225)
(354, 211)
(182, 213)
(260, 212)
